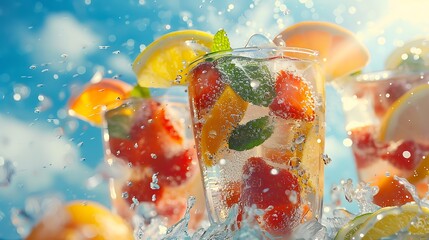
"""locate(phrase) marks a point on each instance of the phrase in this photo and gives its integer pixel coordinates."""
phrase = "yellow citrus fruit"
(407, 117)
(90, 102)
(83, 221)
(339, 49)
(225, 115)
(348, 230)
(164, 62)
(413, 55)
(388, 221)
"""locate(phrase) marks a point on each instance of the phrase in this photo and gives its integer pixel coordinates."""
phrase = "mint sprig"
(250, 135)
(220, 41)
(140, 92)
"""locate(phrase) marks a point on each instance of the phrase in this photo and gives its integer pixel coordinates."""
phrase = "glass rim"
(311, 54)
(384, 75)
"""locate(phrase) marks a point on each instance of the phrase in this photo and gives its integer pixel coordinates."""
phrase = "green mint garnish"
(250, 78)
(119, 126)
(140, 92)
(220, 41)
(250, 135)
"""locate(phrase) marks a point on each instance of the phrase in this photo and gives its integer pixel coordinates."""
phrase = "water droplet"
(326, 159)
(212, 134)
(32, 67)
(116, 52)
(153, 156)
(125, 195)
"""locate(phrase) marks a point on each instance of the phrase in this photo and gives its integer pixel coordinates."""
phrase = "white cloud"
(62, 37)
(40, 157)
(121, 64)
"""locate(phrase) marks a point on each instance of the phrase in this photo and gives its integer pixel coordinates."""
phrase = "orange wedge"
(81, 220)
(339, 49)
(225, 115)
(97, 95)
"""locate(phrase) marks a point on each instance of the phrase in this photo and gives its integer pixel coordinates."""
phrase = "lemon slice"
(339, 49)
(348, 230)
(390, 220)
(413, 55)
(164, 62)
(407, 118)
(97, 95)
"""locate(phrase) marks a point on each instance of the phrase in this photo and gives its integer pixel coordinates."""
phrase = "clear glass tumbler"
(258, 118)
(386, 118)
(152, 140)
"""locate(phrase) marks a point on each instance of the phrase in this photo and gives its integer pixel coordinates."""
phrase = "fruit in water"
(272, 189)
(391, 192)
(294, 98)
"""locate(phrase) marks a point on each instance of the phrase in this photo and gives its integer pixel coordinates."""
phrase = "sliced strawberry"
(406, 156)
(142, 191)
(365, 148)
(294, 98)
(275, 189)
(168, 126)
(128, 150)
(231, 193)
(205, 86)
(175, 170)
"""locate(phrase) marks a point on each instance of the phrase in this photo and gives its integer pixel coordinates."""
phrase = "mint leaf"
(250, 78)
(119, 126)
(250, 135)
(140, 92)
(220, 41)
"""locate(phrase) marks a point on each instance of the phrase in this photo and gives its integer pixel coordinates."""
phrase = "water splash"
(7, 170)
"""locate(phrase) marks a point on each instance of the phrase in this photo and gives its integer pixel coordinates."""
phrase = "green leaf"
(250, 135)
(119, 126)
(140, 92)
(250, 78)
(220, 41)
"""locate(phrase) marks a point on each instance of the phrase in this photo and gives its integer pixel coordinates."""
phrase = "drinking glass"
(386, 120)
(259, 123)
(151, 140)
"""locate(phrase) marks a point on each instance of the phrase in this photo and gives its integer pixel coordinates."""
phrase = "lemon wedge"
(407, 117)
(164, 62)
(339, 49)
(388, 221)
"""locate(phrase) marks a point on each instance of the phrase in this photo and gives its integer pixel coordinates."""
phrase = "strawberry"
(406, 156)
(365, 149)
(205, 86)
(141, 190)
(294, 98)
(128, 150)
(175, 170)
(231, 193)
(272, 188)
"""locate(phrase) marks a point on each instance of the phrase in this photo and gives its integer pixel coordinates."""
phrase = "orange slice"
(407, 118)
(339, 49)
(81, 220)
(97, 95)
(224, 117)
(164, 62)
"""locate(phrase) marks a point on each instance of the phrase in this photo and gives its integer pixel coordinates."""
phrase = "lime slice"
(164, 62)
(351, 227)
(407, 118)
(413, 55)
(339, 49)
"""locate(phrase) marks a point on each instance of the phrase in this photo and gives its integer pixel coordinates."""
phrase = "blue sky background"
(48, 49)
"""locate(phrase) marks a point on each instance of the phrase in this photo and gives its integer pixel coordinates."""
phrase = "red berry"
(275, 189)
(294, 98)
(365, 149)
(406, 156)
(205, 86)
(128, 150)
(175, 170)
(231, 193)
(142, 191)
